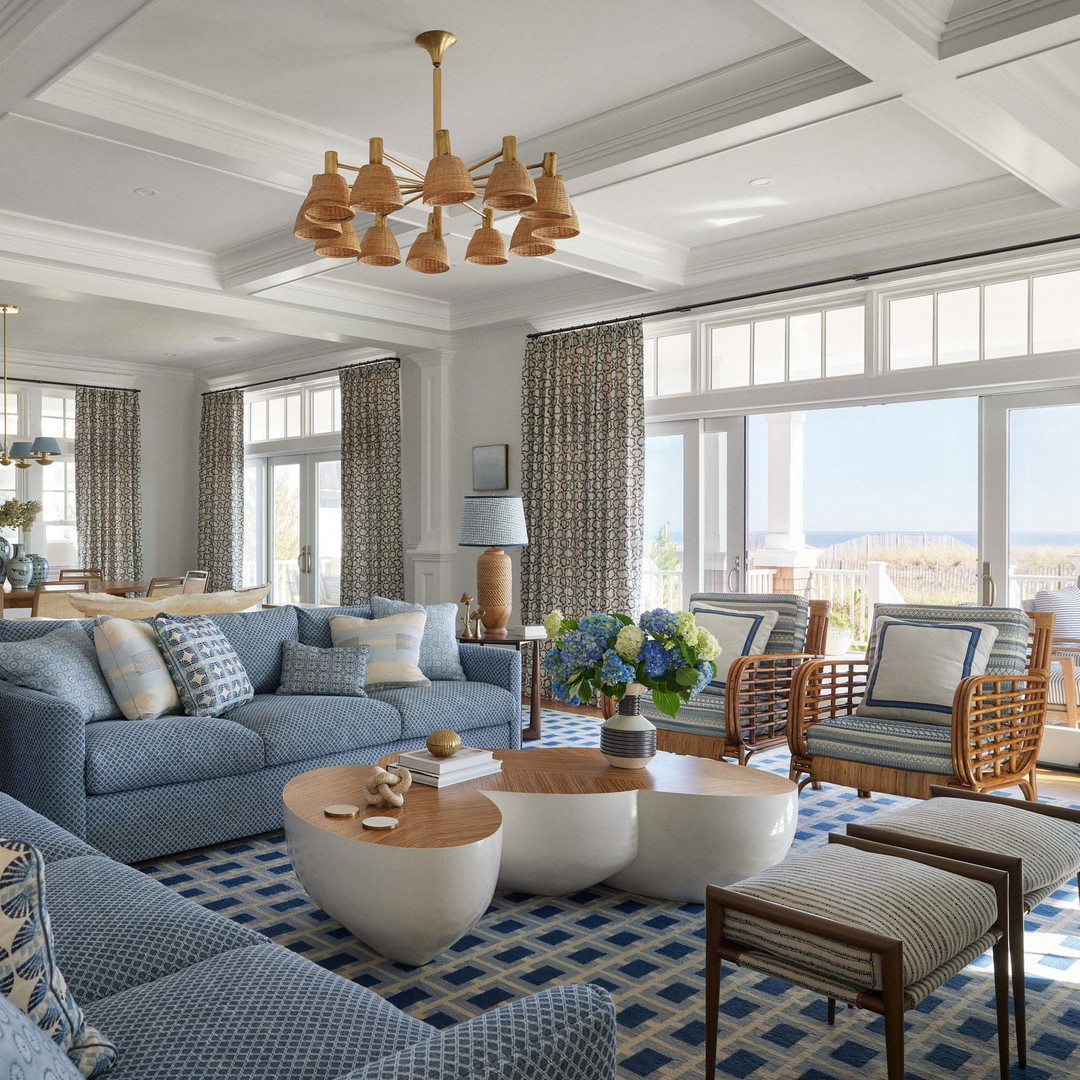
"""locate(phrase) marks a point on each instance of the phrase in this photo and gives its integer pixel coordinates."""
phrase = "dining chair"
(195, 581)
(81, 575)
(51, 599)
(165, 586)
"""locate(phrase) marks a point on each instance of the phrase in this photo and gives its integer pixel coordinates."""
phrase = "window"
(669, 364)
(292, 413)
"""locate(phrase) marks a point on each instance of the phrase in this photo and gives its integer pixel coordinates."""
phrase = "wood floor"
(1058, 784)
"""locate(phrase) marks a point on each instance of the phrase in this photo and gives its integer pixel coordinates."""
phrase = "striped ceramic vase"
(628, 739)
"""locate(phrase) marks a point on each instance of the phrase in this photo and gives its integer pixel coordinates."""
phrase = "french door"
(695, 512)
(302, 528)
(1030, 513)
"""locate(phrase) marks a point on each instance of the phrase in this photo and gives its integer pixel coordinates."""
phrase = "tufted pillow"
(918, 666)
(739, 633)
(29, 976)
(307, 669)
(204, 667)
(134, 668)
(395, 647)
(439, 647)
(63, 663)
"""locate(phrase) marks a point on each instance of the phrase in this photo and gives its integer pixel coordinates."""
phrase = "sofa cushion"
(257, 637)
(300, 728)
(30, 977)
(259, 1012)
(125, 755)
(209, 675)
(62, 663)
(26, 1052)
(313, 624)
(918, 666)
(134, 668)
(309, 670)
(116, 928)
(742, 632)
(460, 706)
(28, 629)
(438, 648)
(19, 822)
(896, 744)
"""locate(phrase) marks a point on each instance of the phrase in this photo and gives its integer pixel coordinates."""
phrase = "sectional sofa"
(184, 992)
(137, 789)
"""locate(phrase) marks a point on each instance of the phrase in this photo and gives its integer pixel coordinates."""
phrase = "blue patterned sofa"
(137, 789)
(184, 992)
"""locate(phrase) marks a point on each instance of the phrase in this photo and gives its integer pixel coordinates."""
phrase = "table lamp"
(494, 522)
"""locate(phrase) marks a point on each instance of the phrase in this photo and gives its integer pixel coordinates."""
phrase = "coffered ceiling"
(152, 155)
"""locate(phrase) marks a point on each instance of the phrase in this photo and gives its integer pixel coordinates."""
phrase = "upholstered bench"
(876, 926)
(1037, 845)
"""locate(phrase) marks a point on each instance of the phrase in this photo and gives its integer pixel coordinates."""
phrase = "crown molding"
(85, 367)
(296, 366)
(1003, 19)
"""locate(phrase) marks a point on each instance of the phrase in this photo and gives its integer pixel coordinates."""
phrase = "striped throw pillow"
(1065, 604)
(134, 668)
(395, 647)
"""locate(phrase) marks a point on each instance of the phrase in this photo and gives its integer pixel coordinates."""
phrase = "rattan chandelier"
(543, 204)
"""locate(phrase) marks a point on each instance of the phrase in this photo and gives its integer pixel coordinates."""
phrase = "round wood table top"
(461, 814)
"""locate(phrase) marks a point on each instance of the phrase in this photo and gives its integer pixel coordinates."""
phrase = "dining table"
(24, 598)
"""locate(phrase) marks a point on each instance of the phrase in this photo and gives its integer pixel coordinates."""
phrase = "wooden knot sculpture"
(385, 788)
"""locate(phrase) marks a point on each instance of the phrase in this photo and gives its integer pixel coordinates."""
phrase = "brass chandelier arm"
(402, 165)
(487, 160)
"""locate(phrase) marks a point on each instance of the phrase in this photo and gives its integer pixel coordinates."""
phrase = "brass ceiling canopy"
(543, 203)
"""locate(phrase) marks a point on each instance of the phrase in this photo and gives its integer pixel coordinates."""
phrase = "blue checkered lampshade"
(493, 521)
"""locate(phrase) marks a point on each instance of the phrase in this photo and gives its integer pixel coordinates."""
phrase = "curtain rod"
(862, 275)
(285, 379)
(75, 385)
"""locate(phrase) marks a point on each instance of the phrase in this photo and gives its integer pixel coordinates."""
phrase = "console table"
(528, 734)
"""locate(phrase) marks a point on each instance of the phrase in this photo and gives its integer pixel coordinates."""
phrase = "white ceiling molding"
(298, 367)
(28, 364)
(1003, 19)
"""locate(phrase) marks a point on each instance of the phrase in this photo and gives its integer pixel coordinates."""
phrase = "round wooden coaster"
(380, 823)
(341, 810)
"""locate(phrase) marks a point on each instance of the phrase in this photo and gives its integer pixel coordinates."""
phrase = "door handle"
(989, 587)
(304, 559)
(734, 570)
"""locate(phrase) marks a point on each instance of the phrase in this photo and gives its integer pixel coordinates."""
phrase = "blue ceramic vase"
(41, 569)
(20, 568)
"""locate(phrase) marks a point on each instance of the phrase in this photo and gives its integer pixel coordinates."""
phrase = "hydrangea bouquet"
(665, 651)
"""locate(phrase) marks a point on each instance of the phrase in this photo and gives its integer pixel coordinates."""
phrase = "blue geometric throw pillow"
(438, 648)
(208, 674)
(309, 670)
(29, 977)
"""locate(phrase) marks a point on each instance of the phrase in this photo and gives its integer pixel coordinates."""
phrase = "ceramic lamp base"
(494, 585)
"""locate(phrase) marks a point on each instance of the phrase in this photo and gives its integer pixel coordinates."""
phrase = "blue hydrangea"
(615, 669)
(553, 662)
(659, 622)
(706, 672)
(600, 625)
(581, 649)
(656, 658)
(563, 693)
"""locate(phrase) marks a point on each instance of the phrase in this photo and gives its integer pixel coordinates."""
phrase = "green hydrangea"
(708, 648)
(553, 623)
(628, 643)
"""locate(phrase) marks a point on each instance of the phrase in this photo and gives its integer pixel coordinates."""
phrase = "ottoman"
(1037, 845)
(876, 926)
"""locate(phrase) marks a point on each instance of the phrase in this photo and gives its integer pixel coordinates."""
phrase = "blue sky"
(907, 467)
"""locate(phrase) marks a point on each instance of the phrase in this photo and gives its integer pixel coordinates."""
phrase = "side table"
(528, 734)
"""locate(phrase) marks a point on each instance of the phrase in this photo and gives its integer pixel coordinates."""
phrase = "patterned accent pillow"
(918, 666)
(205, 668)
(306, 669)
(739, 633)
(29, 976)
(62, 663)
(395, 647)
(134, 668)
(439, 648)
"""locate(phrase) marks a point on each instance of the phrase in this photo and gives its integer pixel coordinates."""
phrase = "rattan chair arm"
(816, 692)
(758, 693)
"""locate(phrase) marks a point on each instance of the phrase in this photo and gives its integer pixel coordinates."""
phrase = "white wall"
(485, 408)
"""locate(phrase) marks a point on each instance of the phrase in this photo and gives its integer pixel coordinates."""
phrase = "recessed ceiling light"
(168, 354)
(226, 339)
(762, 181)
(146, 192)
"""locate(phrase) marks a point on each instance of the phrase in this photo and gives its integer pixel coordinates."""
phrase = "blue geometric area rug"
(649, 955)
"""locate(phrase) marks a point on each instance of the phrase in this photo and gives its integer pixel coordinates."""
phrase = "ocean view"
(756, 539)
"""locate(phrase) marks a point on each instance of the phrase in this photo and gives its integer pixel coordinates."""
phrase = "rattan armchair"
(751, 714)
(993, 740)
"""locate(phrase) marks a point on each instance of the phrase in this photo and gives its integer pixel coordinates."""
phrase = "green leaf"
(666, 701)
(570, 624)
(624, 620)
(686, 676)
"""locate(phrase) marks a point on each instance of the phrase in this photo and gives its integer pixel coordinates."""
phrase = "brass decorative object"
(341, 810)
(22, 454)
(478, 618)
(448, 181)
(443, 743)
(467, 600)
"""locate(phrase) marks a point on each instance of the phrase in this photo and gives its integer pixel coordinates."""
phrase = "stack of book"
(467, 764)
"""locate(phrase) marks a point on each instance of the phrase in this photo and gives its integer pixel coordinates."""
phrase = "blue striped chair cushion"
(895, 744)
(1056, 691)
(953, 916)
(1065, 604)
(1007, 657)
(789, 633)
(1049, 847)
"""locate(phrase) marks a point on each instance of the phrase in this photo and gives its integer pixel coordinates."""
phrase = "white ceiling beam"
(863, 35)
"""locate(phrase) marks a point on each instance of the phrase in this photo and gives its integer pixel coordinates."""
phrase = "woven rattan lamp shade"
(494, 522)
(328, 198)
(557, 230)
(523, 242)
(487, 246)
(345, 246)
(552, 201)
(376, 191)
(379, 246)
(447, 180)
(428, 254)
(311, 230)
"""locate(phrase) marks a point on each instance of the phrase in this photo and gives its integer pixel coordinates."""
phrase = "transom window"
(292, 412)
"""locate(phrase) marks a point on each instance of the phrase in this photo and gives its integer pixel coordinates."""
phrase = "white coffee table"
(552, 822)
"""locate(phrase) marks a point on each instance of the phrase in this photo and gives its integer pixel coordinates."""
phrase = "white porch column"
(431, 560)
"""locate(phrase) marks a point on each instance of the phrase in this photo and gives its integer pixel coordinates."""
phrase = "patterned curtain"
(372, 539)
(108, 469)
(583, 472)
(220, 547)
